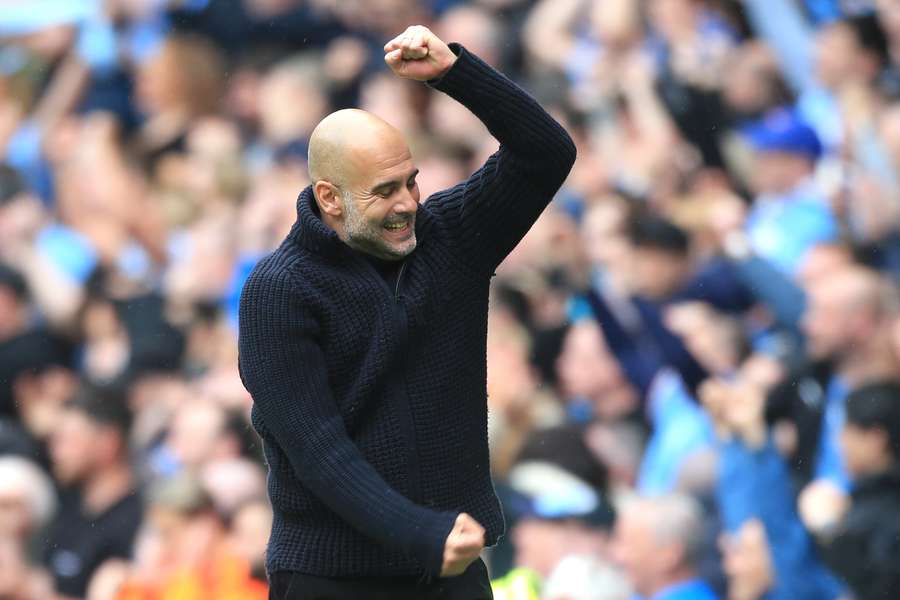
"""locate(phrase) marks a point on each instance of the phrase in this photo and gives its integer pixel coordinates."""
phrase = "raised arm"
(489, 213)
(783, 27)
(283, 368)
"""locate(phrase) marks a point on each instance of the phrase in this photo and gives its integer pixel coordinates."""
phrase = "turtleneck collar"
(311, 232)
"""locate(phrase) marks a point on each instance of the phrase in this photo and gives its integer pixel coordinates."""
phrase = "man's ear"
(328, 198)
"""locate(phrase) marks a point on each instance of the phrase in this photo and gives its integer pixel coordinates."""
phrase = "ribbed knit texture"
(371, 401)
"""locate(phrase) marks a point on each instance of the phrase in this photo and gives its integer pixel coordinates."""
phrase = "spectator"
(194, 557)
(18, 578)
(291, 103)
(860, 544)
(29, 501)
(251, 523)
(658, 542)
(202, 432)
(845, 323)
(590, 377)
(180, 82)
(789, 214)
(753, 490)
(661, 258)
(747, 562)
(585, 578)
(99, 511)
(25, 349)
(558, 502)
(232, 482)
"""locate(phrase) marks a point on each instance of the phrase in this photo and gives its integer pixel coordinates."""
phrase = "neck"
(864, 364)
(679, 576)
(332, 224)
(106, 487)
(878, 466)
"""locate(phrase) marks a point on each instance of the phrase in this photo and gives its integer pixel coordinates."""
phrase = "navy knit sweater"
(370, 398)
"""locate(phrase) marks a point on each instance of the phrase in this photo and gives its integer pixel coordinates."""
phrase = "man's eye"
(411, 183)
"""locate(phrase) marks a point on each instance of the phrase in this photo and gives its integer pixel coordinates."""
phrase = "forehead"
(380, 158)
(631, 524)
(73, 420)
(837, 33)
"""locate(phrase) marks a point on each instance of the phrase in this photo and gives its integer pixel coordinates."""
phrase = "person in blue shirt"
(820, 64)
(754, 486)
(845, 324)
(860, 540)
(790, 214)
(658, 542)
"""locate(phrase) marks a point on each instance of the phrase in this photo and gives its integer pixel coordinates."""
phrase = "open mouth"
(399, 228)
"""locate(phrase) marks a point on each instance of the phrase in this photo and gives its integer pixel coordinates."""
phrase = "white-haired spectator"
(27, 503)
(231, 482)
(585, 577)
(27, 498)
(659, 542)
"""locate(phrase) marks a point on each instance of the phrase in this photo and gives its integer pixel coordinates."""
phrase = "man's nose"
(408, 204)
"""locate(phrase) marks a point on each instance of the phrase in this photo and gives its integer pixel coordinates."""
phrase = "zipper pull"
(399, 277)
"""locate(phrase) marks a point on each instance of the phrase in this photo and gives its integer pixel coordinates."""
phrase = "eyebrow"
(389, 185)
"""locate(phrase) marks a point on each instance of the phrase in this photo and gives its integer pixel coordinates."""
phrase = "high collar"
(311, 232)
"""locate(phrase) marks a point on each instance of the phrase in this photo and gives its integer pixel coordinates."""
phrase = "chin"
(399, 252)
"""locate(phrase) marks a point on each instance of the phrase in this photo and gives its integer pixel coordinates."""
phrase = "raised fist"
(418, 54)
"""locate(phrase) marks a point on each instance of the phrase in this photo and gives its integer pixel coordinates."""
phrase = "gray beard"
(360, 235)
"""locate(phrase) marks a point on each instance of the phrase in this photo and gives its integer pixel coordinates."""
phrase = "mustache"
(400, 219)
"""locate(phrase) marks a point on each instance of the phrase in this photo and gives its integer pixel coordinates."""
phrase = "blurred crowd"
(692, 357)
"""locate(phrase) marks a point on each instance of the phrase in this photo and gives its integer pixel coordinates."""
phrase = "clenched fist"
(418, 54)
(463, 545)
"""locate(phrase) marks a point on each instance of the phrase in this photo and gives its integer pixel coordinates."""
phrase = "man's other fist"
(463, 545)
(418, 54)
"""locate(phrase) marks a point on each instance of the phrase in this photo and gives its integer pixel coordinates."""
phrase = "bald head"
(857, 288)
(341, 145)
(364, 183)
(846, 311)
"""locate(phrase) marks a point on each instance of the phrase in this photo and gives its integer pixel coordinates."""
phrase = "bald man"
(847, 326)
(363, 341)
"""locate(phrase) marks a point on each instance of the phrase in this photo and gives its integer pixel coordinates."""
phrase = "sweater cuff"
(432, 540)
(456, 49)
(467, 70)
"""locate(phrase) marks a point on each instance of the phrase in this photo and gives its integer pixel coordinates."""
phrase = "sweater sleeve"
(493, 209)
(283, 368)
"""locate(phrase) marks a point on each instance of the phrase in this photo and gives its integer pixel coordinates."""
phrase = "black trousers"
(474, 584)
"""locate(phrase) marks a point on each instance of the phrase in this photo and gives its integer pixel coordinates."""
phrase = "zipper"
(398, 380)
(405, 412)
(399, 277)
